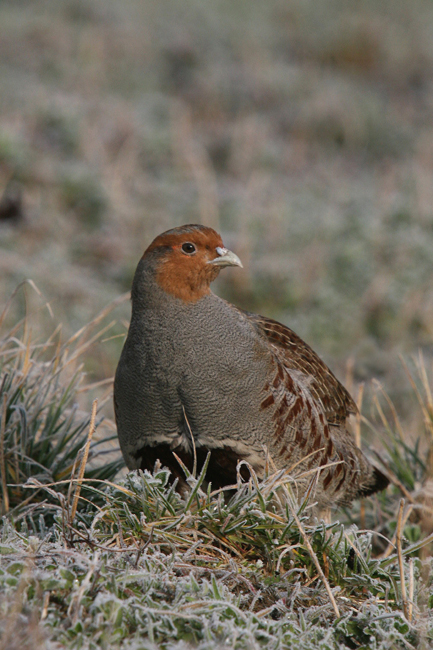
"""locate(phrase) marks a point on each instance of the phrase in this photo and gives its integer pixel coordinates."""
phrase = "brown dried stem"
(5, 504)
(315, 560)
(84, 460)
(400, 559)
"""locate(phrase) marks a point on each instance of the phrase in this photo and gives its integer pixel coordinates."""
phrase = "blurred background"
(301, 130)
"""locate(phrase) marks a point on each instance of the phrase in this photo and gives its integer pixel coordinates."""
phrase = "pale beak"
(226, 258)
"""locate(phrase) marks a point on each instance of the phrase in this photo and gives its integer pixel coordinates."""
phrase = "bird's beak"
(226, 258)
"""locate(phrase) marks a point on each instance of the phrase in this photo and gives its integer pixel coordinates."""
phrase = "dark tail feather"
(377, 483)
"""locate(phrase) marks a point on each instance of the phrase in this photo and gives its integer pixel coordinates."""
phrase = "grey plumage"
(247, 385)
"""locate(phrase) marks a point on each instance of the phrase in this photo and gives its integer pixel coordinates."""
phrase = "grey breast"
(203, 359)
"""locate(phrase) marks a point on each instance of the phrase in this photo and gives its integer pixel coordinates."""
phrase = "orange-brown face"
(190, 258)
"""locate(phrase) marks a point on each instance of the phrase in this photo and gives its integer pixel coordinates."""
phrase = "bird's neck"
(148, 295)
(152, 289)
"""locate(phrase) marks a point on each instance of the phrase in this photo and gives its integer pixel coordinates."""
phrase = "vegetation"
(93, 560)
(302, 132)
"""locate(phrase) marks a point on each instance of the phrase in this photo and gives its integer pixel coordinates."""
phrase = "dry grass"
(42, 429)
(303, 135)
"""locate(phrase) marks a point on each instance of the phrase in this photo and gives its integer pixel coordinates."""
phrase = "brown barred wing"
(296, 355)
(302, 438)
(300, 428)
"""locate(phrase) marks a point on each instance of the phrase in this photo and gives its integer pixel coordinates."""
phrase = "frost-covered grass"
(42, 429)
(152, 568)
(136, 565)
(303, 133)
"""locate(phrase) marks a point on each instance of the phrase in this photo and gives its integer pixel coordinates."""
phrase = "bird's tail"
(377, 482)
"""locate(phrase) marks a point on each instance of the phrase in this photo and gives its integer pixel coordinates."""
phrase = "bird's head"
(187, 259)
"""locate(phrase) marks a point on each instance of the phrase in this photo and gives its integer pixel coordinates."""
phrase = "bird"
(197, 374)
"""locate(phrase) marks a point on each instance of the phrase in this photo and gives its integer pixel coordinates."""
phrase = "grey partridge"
(244, 386)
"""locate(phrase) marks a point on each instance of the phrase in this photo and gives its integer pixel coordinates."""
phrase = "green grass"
(42, 429)
(150, 566)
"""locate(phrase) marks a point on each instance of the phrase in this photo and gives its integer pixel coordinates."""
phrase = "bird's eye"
(188, 248)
